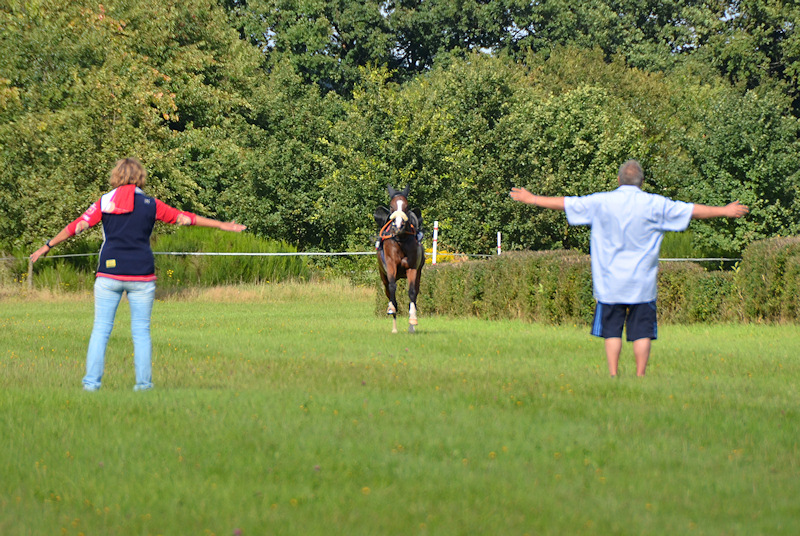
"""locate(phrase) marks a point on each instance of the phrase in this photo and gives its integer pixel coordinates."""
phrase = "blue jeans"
(107, 295)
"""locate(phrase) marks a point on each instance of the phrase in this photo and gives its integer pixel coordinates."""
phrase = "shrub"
(60, 270)
(767, 280)
(176, 271)
(62, 275)
(714, 298)
(689, 293)
(674, 297)
(359, 270)
(552, 287)
(12, 273)
(555, 287)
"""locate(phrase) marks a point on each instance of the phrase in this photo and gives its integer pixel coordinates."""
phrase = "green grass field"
(292, 410)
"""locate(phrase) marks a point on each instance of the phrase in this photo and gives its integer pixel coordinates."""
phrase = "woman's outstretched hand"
(42, 251)
(232, 226)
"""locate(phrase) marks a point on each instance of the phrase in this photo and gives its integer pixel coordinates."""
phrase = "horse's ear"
(391, 191)
(406, 190)
(381, 215)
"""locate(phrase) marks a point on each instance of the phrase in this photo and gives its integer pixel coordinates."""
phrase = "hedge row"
(555, 287)
(768, 283)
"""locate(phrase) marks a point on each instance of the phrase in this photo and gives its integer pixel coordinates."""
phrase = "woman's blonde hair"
(128, 171)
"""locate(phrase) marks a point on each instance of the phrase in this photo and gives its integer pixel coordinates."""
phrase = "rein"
(385, 234)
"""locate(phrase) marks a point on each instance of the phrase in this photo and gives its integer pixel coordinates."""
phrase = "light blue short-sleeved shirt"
(627, 228)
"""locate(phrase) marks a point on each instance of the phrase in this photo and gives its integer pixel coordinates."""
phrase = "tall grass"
(291, 409)
(187, 271)
(179, 272)
(69, 268)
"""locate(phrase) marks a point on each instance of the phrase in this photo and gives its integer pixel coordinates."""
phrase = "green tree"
(87, 84)
(460, 136)
(757, 43)
(326, 41)
(649, 34)
(424, 29)
(280, 189)
(740, 147)
(701, 140)
(293, 115)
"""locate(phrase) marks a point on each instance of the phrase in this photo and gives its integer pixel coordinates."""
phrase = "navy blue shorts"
(639, 320)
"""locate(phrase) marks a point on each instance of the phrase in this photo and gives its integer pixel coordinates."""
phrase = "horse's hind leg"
(392, 309)
(390, 289)
(412, 317)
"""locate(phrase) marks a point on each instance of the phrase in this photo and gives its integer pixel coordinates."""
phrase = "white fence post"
(498, 243)
(435, 239)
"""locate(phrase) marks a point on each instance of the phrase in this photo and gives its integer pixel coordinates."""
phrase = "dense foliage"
(291, 116)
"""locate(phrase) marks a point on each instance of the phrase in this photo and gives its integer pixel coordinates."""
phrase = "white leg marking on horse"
(391, 310)
(412, 314)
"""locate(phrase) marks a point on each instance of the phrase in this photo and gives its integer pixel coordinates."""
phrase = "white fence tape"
(282, 254)
(323, 254)
(221, 254)
(708, 259)
(334, 254)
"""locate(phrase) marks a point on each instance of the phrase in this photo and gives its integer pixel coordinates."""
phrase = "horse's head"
(398, 220)
(398, 210)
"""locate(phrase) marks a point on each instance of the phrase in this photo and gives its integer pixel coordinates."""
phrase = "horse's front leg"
(388, 271)
(389, 280)
(390, 289)
(413, 287)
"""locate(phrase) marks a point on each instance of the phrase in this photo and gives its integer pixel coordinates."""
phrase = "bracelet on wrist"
(48, 245)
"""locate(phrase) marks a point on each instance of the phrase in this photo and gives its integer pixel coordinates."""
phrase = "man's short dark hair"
(631, 173)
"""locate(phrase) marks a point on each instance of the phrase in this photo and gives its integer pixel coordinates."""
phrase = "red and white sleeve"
(89, 218)
(168, 214)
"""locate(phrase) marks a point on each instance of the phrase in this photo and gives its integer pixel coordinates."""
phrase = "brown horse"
(400, 252)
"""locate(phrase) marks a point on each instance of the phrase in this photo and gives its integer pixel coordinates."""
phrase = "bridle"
(388, 232)
(395, 232)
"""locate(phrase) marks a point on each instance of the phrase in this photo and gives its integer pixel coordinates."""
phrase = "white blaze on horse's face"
(398, 216)
(398, 221)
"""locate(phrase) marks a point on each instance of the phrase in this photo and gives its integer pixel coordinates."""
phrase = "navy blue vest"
(126, 249)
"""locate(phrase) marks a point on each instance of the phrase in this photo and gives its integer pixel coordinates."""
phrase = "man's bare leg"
(641, 352)
(613, 349)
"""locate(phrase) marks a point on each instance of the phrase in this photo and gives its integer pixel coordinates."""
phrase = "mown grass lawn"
(291, 409)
